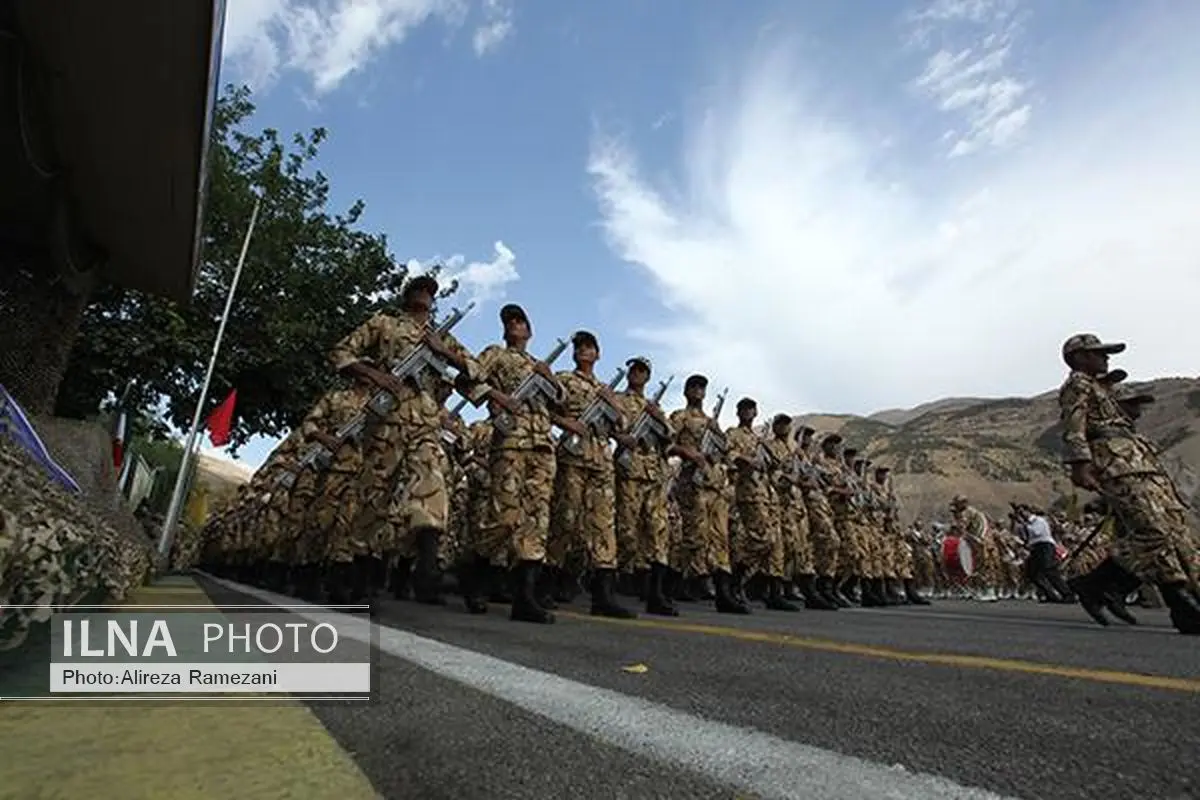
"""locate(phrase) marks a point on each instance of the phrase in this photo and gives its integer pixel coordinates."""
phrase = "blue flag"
(15, 425)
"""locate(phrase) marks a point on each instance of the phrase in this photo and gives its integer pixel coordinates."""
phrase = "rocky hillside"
(998, 451)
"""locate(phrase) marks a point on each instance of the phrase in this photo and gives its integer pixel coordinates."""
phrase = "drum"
(957, 558)
(1060, 553)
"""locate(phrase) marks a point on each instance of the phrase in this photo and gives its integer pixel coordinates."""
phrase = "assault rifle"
(417, 361)
(802, 470)
(448, 436)
(648, 428)
(713, 442)
(534, 391)
(599, 416)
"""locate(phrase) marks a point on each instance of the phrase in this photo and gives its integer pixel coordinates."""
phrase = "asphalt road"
(957, 700)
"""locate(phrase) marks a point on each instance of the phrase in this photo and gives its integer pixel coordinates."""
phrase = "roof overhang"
(129, 89)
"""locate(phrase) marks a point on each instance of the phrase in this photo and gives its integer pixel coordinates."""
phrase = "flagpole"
(181, 480)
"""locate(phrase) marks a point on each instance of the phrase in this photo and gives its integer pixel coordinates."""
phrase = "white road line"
(752, 761)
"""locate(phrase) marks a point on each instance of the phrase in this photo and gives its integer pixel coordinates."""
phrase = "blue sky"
(835, 207)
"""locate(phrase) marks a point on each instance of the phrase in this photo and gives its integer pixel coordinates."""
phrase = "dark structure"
(105, 110)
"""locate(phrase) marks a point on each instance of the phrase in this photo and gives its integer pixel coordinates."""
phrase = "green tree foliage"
(310, 277)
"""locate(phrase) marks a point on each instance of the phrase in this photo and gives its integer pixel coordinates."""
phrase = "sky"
(829, 207)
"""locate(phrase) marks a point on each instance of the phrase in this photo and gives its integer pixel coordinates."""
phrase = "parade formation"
(574, 484)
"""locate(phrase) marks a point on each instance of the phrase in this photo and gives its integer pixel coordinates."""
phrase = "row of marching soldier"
(568, 482)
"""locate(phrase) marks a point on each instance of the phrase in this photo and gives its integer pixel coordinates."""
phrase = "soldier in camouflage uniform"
(1105, 455)
(839, 492)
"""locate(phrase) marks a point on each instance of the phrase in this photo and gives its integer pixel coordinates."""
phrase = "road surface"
(957, 700)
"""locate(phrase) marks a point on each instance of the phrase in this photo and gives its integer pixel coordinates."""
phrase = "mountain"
(997, 451)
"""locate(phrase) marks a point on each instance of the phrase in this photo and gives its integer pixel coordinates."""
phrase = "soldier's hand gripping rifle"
(647, 428)
(713, 443)
(599, 417)
(418, 360)
(535, 391)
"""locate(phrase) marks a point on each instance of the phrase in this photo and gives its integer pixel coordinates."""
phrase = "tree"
(310, 277)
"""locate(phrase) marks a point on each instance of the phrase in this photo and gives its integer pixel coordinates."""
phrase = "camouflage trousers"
(1153, 540)
(582, 520)
(704, 529)
(823, 534)
(674, 533)
(758, 547)
(794, 535)
(852, 554)
(924, 566)
(518, 522)
(300, 506)
(641, 522)
(421, 501)
(903, 564)
(331, 529)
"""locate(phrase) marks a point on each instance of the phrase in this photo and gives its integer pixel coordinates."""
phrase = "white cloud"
(328, 40)
(496, 27)
(794, 266)
(969, 71)
(478, 281)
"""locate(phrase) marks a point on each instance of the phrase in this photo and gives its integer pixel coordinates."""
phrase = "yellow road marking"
(941, 659)
(188, 751)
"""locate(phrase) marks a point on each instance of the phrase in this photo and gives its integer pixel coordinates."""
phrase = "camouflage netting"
(55, 549)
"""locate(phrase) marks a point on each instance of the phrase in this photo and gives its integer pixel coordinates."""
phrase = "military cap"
(512, 311)
(882, 470)
(695, 380)
(421, 283)
(831, 438)
(645, 362)
(1084, 342)
(959, 500)
(1113, 377)
(584, 338)
(860, 462)
(849, 452)
(746, 402)
(781, 419)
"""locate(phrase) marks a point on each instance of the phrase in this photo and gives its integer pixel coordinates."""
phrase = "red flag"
(118, 441)
(220, 421)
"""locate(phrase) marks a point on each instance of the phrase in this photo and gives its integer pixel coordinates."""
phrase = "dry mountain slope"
(998, 451)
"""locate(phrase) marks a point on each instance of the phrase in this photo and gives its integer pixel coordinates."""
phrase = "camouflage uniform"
(791, 511)
(704, 509)
(822, 528)
(643, 537)
(759, 546)
(582, 531)
(403, 479)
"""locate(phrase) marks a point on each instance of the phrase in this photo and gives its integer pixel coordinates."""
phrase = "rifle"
(713, 442)
(448, 436)
(599, 416)
(648, 428)
(534, 391)
(419, 359)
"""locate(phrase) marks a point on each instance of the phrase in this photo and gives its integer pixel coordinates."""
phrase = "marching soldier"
(700, 492)
(642, 515)
(759, 547)
(521, 471)
(1105, 455)
(582, 512)
(403, 479)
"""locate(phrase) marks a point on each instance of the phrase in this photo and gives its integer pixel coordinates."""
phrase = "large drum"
(957, 558)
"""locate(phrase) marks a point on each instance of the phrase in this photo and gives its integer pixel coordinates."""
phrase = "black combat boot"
(775, 600)
(604, 600)
(546, 588)
(399, 582)
(914, 597)
(427, 576)
(475, 574)
(1089, 591)
(737, 586)
(498, 585)
(566, 587)
(757, 588)
(870, 594)
(525, 607)
(895, 592)
(828, 589)
(813, 597)
(843, 592)
(1185, 609)
(1117, 583)
(726, 601)
(685, 590)
(706, 588)
(658, 599)
(641, 584)
(791, 592)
